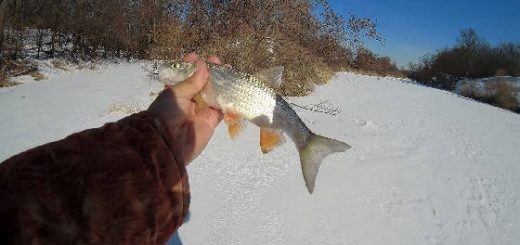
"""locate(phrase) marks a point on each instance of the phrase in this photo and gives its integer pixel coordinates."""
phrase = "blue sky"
(414, 28)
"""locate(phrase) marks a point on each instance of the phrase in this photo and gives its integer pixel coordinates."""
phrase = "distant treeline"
(306, 36)
(471, 57)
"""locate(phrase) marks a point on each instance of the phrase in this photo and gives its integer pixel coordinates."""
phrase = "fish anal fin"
(270, 139)
(271, 76)
(234, 122)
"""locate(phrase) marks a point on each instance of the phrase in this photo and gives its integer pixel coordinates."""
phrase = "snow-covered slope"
(36, 112)
(426, 166)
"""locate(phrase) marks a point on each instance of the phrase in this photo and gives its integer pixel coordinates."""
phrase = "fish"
(246, 97)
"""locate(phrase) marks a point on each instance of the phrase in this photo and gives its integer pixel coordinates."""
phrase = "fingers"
(191, 57)
(214, 59)
(193, 85)
(204, 125)
(196, 82)
(210, 116)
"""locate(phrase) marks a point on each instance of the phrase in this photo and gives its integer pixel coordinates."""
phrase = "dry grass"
(396, 74)
(89, 66)
(18, 68)
(499, 92)
(37, 75)
(59, 64)
(124, 108)
(470, 90)
(504, 94)
(6, 81)
(14, 68)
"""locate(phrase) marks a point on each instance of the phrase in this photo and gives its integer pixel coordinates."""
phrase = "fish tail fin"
(312, 154)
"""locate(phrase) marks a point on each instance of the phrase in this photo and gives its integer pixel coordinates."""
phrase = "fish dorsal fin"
(270, 139)
(271, 76)
(235, 123)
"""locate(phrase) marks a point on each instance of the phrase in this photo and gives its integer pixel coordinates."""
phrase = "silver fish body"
(249, 97)
(240, 93)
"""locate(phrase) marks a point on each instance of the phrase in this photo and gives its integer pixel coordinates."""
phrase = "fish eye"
(176, 65)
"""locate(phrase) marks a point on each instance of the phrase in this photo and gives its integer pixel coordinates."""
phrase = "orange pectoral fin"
(270, 139)
(234, 122)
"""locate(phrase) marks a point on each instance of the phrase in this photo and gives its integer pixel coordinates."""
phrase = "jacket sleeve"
(123, 183)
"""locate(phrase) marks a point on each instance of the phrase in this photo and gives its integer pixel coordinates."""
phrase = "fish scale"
(240, 90)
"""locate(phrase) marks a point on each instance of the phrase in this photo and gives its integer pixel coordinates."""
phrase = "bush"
(306, 37)
(470, 90)
(59, 64)
(37, 76)
(303, 70)
(5, 81)
(498, 92)
(503, 94)
(252, 36)
(472, 57)
(369, 63)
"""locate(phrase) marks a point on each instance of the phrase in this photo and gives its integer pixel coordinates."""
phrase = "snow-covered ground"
(426, 166)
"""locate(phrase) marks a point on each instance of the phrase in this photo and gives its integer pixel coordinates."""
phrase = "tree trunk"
(2, 28)
(1, 45)
(51, 52)
(39, 43)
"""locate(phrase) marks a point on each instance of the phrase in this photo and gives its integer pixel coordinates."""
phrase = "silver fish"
(243, 96)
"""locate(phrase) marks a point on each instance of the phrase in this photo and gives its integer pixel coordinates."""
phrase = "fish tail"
(312, 154)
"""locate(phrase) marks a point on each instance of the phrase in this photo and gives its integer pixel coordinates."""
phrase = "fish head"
(171, 73)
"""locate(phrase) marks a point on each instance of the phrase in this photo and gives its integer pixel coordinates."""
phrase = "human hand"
(176, 108)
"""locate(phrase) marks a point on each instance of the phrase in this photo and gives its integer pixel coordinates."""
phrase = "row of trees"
(306, 36)
(84, 28)
(471, 57)
(366, 61)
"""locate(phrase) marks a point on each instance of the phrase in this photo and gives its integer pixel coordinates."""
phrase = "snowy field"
(426, 166)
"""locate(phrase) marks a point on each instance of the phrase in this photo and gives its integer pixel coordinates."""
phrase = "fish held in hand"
(251, 97)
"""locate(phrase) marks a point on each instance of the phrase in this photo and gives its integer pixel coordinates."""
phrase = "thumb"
(194, 84)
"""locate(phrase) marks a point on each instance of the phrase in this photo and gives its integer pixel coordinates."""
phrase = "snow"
(37, 112)
(426, 166)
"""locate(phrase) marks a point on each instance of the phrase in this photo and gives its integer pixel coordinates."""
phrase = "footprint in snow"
(365, 124)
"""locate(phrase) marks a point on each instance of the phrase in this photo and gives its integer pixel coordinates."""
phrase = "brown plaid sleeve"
(123, 183)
